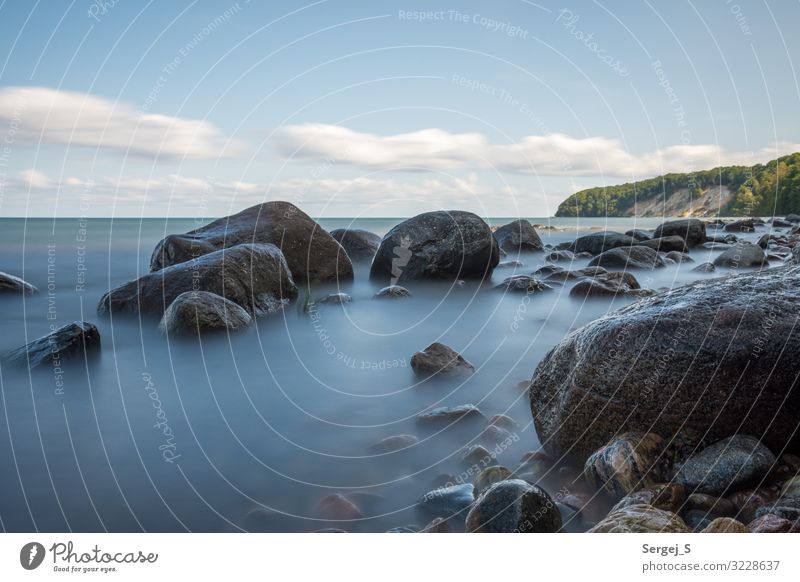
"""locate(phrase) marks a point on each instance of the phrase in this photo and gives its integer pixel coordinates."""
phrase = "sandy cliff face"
(683, 203)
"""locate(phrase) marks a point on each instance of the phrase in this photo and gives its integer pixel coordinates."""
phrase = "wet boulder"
(360, 245)
(514, 506)
(449, 500)
(666, 496)
(11, 284)
(641, 519)
(444, 246)
(73, 341)
(637, 257)
(194, 312)
(665, 244)
(517, 236)
(597, 242)
(626, 464)
(254, 276)
(691, 230)
(392, 292)
(523, 284)
(725, 525)
(742, 225)
(439, 359)
(639, 234)
(733, 464)
(692, 358)
(608, 285)
(704, 268)
(447, 415)
(311, 253)
(393, 444)
(679, 257)
(741, 255)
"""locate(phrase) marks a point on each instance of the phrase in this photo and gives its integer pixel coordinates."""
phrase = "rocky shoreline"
(677, 413)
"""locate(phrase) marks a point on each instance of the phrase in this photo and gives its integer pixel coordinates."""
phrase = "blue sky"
(122, 108)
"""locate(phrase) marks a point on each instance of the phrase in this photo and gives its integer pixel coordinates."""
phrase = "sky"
(380, 109)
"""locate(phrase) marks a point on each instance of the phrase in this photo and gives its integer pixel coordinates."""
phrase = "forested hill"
(763, 189)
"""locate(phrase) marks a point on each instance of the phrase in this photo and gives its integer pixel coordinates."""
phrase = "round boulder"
(691, 230)
(519, 235)
(637, 257)
(641, 519)
(194, 312)
(514, 506)
(360, 245)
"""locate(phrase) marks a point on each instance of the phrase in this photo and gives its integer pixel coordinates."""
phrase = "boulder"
(489, 476)
(691, 230)
(792, 217)
(665, 244)
(711, 504)
(641, 519)
(360, 245)
(666, 496)
(743, 225)
(523, 284)
(513, 506)
(255, 276)
(448, 501)
(608, 285)
(510, 265)
(519, 235)
(446, 415)
(12, 284)
(73, 341)
(438, 358)
(679, 257)
(637, 257)
(626, 464)
(726, 525)
(733, 464)
(741, 255)
(557, 256)
(393, 443)
(704, 268)
(692, 358)
(337, 507)
(597, 242)
(791, 488)
(334, 299)
(639, 234)
(392, 292)
(311, 253)
(770, 523)
(564, 275)
(437, 246)
(193, 312)
(781, 223)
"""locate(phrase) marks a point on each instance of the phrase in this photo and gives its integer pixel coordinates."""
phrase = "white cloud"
(35, 179)
(549, 155)
(44, 115)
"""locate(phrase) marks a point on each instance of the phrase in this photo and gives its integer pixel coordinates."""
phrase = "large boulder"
(665, 244)
(609, 285)
(710, 357)
(75, 340)
(514, 506)
(311, 253)
(444, 245)
(255, 276)
(626, 464)
(439, 359)
(641, 519)
(597, 242)
(194, 312)
(360, 245)
(519, 235)
(12, 284)
(741, 255)
(691, 230)
(637, 257)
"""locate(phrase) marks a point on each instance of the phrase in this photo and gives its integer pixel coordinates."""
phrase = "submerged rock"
(519, 235)
(641, 519)
(437, 246)
(704, 268)
(609, 284)
(557, 256)
(637, 257)
(733, 463)
(335, 299)
(447, 415)
(598, 242)
(448, 501)
(615, 374)
(679, 257)
(69, 342)
(639, 234)
(255, 276)
(742, 225)
(514, 506)
(393, 443)
(510, 265)
(438, 358)
(627, 463)
(523, 284)
(665, 244)
(741, 255)
(193, 312)
(311, 253)
(489, 476)
(392, 292)
(337, 507)
(360, 245)
(691, 230)
(12, 284)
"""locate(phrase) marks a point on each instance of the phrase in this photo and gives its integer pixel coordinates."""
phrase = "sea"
(249, 431)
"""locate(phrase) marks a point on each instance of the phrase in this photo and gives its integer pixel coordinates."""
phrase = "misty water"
(275, 417)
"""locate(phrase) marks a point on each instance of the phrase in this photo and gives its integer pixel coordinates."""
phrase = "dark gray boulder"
(597, 242)
(742, 225)
(732, 464)
(437, 246)
(637, 257)
(639, 234)
(519, 235)
(360, 245)
(514, 506)
(12, 284)
(447, 415)
(448, 501)
(194, 312)
(691, 230)
(440, 359)
(564, 275)
(523, 284)
(665, 244)
(557, 256)
(255, 276)
(609, 285)
(334, 299)
(311, 253)
(792, 217)
(69, 342)
(741, 255)
(696, 358)
(679, 257)
(781, 223)
(392, 292)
